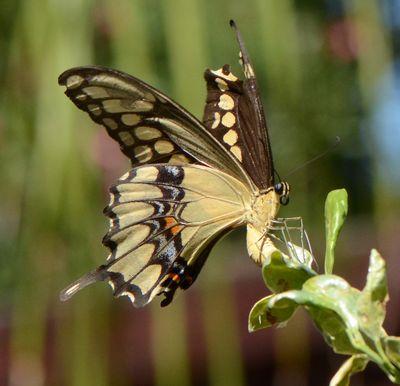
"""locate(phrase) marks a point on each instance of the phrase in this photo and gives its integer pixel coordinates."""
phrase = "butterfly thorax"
(264, 209)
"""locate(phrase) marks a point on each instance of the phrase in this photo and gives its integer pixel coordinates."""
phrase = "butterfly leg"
(285, 228)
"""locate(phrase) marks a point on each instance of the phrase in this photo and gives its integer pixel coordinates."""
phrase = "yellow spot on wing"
(140, 106)
(221, 74)
(178, 159)
(106, 78)
(222, 85)
(96, 92)
(143, 153)
(130, 119)
(94, 109)
(163, 147)
(230, 137)
(228, 119)
(109, 122)
(126, 138)
(146, 174)
(217, 120)
(74, 81)
(237, 152)
(120, 106)
(226, 102)
(147, 133)
(124, 176)
(81, 97)
(114, 106)
(149, 96)
(130, 295)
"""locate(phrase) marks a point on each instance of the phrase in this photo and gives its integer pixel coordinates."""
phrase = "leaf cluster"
(350, 320)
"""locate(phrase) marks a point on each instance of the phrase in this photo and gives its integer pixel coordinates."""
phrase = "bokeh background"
(325, 68)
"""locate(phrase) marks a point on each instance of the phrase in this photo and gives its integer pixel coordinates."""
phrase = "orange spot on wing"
(176, 278)
(171, 223)
(176, 229)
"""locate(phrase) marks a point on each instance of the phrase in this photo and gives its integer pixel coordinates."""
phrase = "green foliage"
(335, 214)
(350, 320)
(56, 171)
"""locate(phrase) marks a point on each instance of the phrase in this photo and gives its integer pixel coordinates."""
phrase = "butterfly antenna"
(308, 162)
(277, 175)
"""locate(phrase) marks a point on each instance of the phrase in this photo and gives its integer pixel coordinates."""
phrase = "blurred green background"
(325, 69)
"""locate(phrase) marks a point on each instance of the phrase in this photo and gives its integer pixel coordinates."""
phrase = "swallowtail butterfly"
(190, 182)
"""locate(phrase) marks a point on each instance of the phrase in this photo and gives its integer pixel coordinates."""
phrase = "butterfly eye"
(279, 188)
(283, 190)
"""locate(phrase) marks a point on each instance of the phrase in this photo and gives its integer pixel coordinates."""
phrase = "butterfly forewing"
(234, 115)
(149, 126)
(122, 107)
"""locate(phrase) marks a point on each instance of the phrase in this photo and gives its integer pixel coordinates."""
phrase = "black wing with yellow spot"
(235, 116)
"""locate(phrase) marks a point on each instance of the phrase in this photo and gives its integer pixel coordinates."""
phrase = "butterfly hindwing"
(163, 218)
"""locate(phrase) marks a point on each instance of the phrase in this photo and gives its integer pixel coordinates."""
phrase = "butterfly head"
(282, 189)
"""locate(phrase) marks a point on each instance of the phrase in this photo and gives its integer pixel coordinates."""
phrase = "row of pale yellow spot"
(143, 153)
(228, 119)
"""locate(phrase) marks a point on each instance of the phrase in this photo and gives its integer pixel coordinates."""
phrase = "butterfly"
(191, 182)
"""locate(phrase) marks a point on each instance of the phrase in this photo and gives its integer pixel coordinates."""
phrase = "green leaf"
(392, 348)
(265, 314)
(330, 300)
(349, 320)
(282, 273)
(335, 214)
(371, 304)
(354, 364)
